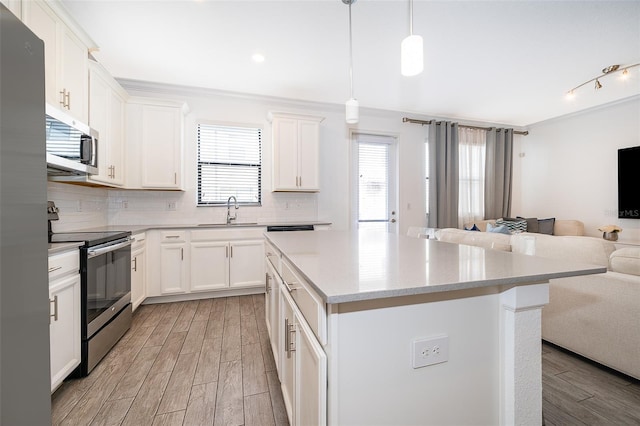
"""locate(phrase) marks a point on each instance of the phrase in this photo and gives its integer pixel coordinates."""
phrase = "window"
(471, 160)
(229, 163)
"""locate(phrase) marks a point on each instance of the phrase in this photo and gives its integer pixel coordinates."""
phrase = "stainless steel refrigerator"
(25, 393)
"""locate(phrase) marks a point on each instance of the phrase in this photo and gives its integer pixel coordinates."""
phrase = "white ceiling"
(508, 62)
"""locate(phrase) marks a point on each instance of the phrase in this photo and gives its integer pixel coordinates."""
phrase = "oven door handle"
(103, 250)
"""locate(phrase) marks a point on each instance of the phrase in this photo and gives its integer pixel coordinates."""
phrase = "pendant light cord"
(350, 51)
(410, 17)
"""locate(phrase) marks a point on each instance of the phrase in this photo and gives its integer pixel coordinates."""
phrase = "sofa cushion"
(515, 225)
(545, 226)
(498, 229)
(591, 250)
(568, 227)
(626, 261)
(532, 223)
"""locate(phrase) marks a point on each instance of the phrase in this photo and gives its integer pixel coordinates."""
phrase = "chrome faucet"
(235, 203)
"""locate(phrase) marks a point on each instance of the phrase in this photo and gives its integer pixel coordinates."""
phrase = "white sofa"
(596, 316)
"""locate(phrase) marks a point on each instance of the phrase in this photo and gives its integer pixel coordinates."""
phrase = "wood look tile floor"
(205, 362)
(208, 362)
(576, 391)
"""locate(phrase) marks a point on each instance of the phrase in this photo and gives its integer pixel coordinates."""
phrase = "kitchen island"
(375, 328)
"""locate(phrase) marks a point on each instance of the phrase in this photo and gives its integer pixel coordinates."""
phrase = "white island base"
(493, 372)
(355, 310)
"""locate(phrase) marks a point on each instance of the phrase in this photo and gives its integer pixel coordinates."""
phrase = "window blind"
(229, 163)
(373, 159)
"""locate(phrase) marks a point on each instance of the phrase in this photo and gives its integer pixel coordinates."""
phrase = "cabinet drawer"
(64, 263)
(273, 256)
(173, 236)
(139, 241)
(307, 301)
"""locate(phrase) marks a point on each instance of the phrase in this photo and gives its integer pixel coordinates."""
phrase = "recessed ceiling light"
(258, 58)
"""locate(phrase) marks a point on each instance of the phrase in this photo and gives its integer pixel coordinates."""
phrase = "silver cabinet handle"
(289, 287)
(292, 343)
(55, 309)
(286, 337)
(181, 253)
(55, 268)
(268, 287)
(172, 236)
(231, 251)
(135, 264)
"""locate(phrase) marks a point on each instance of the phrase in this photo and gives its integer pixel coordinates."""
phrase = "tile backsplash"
(80, 207)
(87, 207)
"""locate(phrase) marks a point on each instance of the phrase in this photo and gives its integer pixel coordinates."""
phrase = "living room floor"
(209, 362)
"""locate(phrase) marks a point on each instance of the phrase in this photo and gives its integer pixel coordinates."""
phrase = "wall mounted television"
(629, 183)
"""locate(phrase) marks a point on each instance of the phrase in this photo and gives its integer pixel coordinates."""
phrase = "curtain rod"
(423, 122)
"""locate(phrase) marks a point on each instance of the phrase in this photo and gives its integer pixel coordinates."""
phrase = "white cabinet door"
(116, 138)
(296, 164)
(209, 265)
(285, 154)
(138, 279)
(311, 377)
(246, 263)
(64, 327)
(161, 147)
(272, 311)
(44, 23)
(287, 368)
(172, 268)
(66, 58)
(308, 155)
(73, 78)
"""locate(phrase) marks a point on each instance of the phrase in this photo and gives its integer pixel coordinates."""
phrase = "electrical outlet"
(172, 205)
(429, 351)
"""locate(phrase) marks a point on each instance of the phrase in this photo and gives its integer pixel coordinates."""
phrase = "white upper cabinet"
(66, 57)
(296, 145)
(106, 115)
(155, 144)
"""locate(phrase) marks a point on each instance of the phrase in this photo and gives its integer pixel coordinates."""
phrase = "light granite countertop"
(146, 227)
(351, 266)
(60, 247)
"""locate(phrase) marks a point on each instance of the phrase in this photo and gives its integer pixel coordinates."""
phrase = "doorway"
(374, 183)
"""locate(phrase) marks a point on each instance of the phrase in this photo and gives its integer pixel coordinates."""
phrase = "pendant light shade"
(351, 106)
(411, 56)
(352, 114)
(411, 50)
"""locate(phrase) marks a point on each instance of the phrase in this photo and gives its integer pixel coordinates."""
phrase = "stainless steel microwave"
(72, 146)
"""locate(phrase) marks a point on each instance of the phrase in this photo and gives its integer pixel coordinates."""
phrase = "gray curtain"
(498, 173)
(443, 175)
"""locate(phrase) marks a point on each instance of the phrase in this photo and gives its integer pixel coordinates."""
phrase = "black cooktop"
(90, 239)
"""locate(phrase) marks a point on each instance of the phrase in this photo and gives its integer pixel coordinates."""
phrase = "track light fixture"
(611, 69)
(351, 106)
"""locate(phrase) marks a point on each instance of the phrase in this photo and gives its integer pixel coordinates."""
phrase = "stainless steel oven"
(105, 269)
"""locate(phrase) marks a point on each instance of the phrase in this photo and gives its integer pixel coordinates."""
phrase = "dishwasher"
(284, 228)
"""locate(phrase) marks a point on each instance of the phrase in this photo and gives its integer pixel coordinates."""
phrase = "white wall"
(569, 167)
(331, 204)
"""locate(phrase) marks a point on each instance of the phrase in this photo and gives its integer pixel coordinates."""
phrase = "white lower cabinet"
(173, 268)
(272, 309)
(64, 326)
(200, 261)
(209, 265)
(138, 271)
(303, 364)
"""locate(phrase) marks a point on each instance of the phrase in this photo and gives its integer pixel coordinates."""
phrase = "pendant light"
(352, 105)
(411, 50)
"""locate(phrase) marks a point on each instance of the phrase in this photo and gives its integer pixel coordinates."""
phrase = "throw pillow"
(532, 223)
(515, 225)
(473, 228)
(499, 229)
(545, 226)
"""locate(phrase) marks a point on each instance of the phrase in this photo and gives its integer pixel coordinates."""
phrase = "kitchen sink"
(224, 225)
